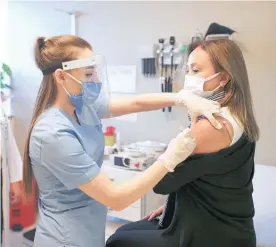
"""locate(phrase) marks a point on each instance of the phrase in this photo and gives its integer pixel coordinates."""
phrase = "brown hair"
(227, 56)
(48, 53)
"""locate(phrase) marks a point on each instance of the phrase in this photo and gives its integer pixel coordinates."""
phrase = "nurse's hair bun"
(40, 43)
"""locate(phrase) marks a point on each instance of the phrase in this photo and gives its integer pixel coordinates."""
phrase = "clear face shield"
(181, 72)
(91, 74)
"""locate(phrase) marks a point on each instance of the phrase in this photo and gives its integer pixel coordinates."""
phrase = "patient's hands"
(152, 215)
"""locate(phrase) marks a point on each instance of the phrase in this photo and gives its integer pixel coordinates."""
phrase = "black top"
(210, 202)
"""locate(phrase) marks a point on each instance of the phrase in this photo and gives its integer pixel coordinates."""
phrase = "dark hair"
(41, 43)
(227, 56)
(48, 52)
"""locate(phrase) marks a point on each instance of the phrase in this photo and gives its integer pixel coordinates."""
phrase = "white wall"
(120, 29)
(4, 29)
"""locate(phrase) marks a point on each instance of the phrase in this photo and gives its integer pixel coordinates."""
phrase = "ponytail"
(46, 96)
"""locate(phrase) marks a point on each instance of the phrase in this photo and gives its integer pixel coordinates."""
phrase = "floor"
(16, 239)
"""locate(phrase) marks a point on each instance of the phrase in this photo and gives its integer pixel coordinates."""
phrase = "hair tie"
(41, 43)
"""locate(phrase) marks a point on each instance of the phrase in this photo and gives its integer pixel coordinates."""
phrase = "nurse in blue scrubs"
(65, 145)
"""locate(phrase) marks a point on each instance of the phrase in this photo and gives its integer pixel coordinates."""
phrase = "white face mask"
(195, 85)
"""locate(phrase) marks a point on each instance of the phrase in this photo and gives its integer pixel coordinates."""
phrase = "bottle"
(109, 136)
(118, 142)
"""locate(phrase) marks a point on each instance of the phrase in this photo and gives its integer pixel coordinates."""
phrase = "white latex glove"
(179, 149)
(199, 106)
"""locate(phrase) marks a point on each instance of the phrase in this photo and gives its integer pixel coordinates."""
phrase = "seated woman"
(210, 195)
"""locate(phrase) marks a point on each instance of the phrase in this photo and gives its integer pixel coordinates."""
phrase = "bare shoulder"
(208, 138)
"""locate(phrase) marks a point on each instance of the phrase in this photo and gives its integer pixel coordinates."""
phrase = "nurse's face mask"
(90, 91)
(94, 87)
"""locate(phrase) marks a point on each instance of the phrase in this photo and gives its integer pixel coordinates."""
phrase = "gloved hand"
(179, 149)
(199, 106)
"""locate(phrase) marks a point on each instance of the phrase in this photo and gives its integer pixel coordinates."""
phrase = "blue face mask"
(84, 102)
(90, 93)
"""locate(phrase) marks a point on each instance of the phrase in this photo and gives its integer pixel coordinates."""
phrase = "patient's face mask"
(195, 84)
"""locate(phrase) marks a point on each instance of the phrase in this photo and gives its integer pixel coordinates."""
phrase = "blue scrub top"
(65, 155)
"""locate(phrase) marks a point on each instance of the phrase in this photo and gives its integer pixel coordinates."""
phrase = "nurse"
(65, 145)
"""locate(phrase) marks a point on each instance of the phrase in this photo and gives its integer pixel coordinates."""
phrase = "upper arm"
(63, 155)
(123, 106)
(115, 107)
(208, 138)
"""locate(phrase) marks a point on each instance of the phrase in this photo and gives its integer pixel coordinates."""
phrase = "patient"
(210, 195)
